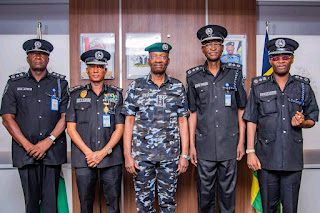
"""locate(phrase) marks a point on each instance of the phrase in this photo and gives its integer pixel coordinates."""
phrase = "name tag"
(54, 104)
(227, 99)
(106, 121)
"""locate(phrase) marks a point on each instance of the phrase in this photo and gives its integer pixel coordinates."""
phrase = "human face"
(281, 63)
(38, 61)
(96, 72)
(212, 50)
(158, 62)
(230, 49)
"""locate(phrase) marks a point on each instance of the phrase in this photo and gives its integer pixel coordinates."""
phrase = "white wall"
(307, 64)
(13, 59)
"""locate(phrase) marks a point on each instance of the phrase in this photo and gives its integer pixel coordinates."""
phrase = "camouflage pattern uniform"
(156, 139)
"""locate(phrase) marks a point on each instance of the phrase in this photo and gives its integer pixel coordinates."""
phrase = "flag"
(266, 66)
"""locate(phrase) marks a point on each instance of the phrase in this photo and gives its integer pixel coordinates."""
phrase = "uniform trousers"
(164, 173)
(110, 178)
(279, 185)
(40, 185)
(212, 175)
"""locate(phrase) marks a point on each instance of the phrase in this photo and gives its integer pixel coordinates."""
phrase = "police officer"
(156, 117)
(95, 126)
(230, 57)
(216, 99)
(279, 106)
(33, 111)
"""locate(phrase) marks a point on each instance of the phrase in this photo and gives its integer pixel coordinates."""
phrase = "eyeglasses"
(284, 57)
(209, 45)
(162, 57)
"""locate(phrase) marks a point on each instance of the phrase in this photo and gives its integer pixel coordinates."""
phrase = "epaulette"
(57, 75)
(17, 76)
(302, 79)
(115, 88)
(194, 70)
(260, 80)
(232, 66)
(72, 89)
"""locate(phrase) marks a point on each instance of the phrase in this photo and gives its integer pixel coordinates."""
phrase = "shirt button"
(284, 131)
(214, 83)
(216, 110)
(98, 141)
(82, 108)
(215, 96)
(97, 100)
(38, 85)
(282, 105)
(40, 116)
(217, 126)
(283, 118)
(39, 101)
(98, 113)
(99, 128)
(23, 95)
(40, 133)
(200, 135)
(282, 93)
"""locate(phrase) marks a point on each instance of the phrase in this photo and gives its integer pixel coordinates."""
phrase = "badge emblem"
(280, 43)
(165, 47)
(83, 93)
(37, 44)
(209, 31)
(98, 55)
(106, 108)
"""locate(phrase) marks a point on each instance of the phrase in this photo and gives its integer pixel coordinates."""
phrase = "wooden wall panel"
(180, 19)
(239, 18)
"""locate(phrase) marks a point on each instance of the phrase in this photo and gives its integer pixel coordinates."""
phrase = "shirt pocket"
(269, 104)
(83, 112)
(203, 95)
(26, 99)
(266, 138)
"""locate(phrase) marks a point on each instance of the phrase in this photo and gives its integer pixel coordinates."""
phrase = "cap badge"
(165, 47)
(37, 44)
(280, 43)
(83, 93)
(209, 31)
(98, 55)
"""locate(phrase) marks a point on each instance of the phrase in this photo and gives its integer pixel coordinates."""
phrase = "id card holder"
(106, 120)
(54, 104)
(227, 99)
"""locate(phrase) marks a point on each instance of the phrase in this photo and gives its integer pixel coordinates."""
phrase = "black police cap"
(212, 32)
(95, 56)
(230, 43)
(37, 45)
(281, 46)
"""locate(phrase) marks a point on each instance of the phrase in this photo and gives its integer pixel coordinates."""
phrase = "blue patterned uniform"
(234, 58)
(156, 138)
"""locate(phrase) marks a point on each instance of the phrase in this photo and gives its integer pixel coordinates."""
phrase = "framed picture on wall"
(137, 58)
(105, 41)
(235, 51)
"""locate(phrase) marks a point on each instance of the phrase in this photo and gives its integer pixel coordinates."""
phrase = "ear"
(149, 60)
(292, 59)
(168, 60)
(87, 71)
(105, 70)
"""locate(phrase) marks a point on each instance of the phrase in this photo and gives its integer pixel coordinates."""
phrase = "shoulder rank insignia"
(194, 70)
(233, 65)
(72, 89)
(115, 88)
(57, 75)
(260, 80)
(302, 79)
(17, 76)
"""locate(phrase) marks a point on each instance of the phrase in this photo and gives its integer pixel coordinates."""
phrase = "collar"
(47, 75)
(167, 78)
(273, 79)
(206, 71)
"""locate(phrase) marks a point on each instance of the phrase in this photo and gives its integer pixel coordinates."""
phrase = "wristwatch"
(109, 150)
(185, 156)
(52, 138)
(250, 150)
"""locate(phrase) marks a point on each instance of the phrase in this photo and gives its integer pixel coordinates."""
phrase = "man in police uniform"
(33, 111)
(279, 106)
(95, 126)
(230, 57)
(156, 117)
(216, 100)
